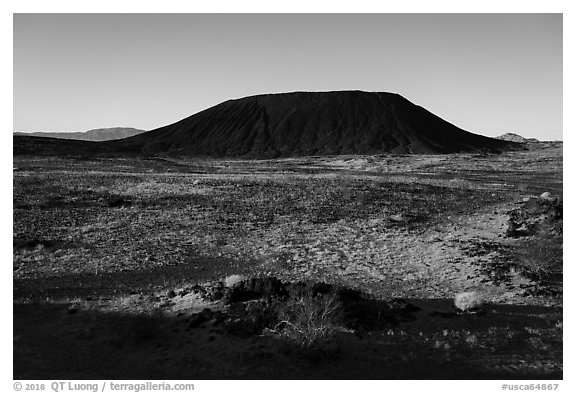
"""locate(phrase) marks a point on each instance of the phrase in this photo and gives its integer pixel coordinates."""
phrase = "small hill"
(516, 138)
(98, 134)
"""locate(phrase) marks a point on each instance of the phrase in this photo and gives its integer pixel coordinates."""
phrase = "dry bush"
(309, 321)
(540, 256)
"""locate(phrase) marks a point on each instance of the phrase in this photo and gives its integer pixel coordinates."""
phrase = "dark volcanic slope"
(293, 124)
(36, 145)
(277, 125)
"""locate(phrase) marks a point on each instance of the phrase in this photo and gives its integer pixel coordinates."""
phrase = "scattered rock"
(183, 292)
(232, 280)
(254, 288)
(468, 301)
(198, 289)
(536, 215)
(547, 196)
(398, 304)
(214, 291)
(199, 319)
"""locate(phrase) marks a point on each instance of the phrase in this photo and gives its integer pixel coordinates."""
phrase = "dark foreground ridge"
(300, 124)
(263, 328)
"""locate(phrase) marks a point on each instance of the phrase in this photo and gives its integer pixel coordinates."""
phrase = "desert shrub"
(309, 321)
(540, 256)
(468, 301)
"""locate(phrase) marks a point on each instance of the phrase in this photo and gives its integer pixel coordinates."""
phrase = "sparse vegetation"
(159, 258)
(540, 256)
(309, 321)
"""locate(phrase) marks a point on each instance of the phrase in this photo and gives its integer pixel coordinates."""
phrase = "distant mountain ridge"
(511, 137)
(530, 143)
(97, 134)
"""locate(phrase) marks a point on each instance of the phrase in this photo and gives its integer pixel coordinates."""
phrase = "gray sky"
(486, 73)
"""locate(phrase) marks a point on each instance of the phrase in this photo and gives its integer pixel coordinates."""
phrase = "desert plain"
(331, 267)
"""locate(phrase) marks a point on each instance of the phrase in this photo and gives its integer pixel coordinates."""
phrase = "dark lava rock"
(198, 289)
(402, 305)
(197, 320)
(254, 288)
(536, 215)
(214, 291)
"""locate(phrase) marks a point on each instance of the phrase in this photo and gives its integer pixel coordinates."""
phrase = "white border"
(301, 6)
